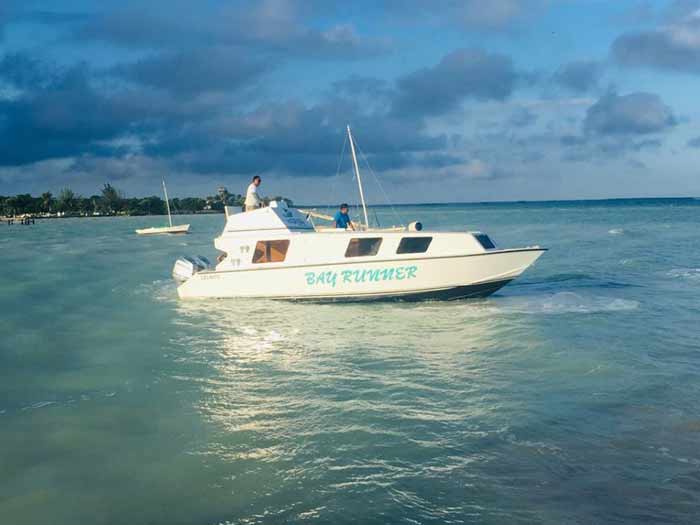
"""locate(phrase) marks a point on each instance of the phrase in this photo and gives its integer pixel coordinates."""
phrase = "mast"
(167, 204)
(359, 180)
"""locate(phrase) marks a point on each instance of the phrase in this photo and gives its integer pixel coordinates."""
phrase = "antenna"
(359, 180)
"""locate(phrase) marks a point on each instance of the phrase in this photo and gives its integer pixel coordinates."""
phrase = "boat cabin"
(278, 235)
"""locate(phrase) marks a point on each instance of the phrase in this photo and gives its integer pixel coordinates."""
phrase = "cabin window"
(270, 251)
(363, 246)
(485, 241)
(414, 245)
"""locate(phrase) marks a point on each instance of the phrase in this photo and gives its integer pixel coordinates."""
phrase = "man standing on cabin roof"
(342, 219)
(252, 201)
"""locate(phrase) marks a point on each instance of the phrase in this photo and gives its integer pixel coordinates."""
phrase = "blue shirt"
(341, 220)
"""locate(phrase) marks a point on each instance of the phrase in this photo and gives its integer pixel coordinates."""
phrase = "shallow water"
(571, 396)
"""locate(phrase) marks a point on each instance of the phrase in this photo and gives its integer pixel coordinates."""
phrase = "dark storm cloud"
(579, 76)
(636, 113)
(195, 71)
(461, 74)
(64, 118)
(23, 72)
(674, 45)
(75, 111)
(62, 112)
(295, 139)
(180, 103)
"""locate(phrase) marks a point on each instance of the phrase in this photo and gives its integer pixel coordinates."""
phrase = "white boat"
(179, 228)
(277, 252)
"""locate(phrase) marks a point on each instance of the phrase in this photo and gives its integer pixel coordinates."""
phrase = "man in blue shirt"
(342, 219)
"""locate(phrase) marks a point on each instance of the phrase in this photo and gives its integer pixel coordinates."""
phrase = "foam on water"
(564, 303)
(690, 274)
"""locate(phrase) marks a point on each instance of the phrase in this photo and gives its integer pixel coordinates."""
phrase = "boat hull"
(471, 291)
(442, 278)
(165, 230)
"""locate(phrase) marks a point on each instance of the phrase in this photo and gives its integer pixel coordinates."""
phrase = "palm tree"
(47, 201)
(66, 200)
(111, 199)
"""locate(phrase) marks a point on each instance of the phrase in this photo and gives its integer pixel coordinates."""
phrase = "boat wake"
(564, 303)
(161, 290)
(690, 274)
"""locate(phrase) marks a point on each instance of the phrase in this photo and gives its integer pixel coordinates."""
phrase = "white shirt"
(251, 197)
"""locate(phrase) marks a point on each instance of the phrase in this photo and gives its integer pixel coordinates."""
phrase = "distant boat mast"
(167, 204)
(357, 174)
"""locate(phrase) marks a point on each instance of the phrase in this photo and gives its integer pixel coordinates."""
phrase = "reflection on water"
(359, 398)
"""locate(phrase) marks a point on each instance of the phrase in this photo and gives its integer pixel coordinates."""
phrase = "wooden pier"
(19, 220)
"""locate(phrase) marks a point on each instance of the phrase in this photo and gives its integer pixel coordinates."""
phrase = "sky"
(448, 100)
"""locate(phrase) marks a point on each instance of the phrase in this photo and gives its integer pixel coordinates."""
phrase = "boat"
(278, 252)
(170, 229)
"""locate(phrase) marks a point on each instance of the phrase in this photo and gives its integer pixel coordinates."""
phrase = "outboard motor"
(185, 267)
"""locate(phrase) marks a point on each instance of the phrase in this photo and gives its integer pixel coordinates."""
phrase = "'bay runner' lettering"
(331, 278)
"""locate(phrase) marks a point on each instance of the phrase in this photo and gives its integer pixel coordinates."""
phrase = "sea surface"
(570, 396)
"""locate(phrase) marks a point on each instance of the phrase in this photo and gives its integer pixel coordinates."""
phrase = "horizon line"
(529, 201)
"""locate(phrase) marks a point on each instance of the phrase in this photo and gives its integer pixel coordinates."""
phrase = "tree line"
(111, 201)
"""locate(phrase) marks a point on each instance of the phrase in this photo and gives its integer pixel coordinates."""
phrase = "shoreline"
(534, 203)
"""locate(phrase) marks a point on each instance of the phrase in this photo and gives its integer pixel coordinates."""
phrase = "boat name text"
(331, 278)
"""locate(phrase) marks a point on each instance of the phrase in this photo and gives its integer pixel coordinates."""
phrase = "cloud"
(195, 71)
(357, 85)
(4, 17)
(294, 138)
(59, 112)
(476, 168)
(81, 113)
(633, 114)
(115, 168)
(459, 75)
(22, 71)
(674, 46)
(619, 126)
(580, 76)
(467, 15)
(522, 117)
(62, 116)
(268, 27)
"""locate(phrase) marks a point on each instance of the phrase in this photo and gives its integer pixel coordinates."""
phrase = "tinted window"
(414, 245)
(270, 251)
(364, 246)
(485, 241)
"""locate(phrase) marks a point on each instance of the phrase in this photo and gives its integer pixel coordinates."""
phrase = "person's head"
(343, 208)
(257, 180)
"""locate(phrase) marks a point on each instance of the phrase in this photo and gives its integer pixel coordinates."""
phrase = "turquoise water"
(571, 396)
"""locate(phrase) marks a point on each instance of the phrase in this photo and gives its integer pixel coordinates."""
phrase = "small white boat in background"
(180, 228)
(279, 253)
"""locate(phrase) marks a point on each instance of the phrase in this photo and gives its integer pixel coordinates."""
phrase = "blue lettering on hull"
(331, 278)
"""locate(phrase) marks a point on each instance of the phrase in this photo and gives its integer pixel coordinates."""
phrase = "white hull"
(446, 277)
(183, 228)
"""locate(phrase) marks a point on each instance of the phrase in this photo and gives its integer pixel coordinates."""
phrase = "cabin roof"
(276, 216)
